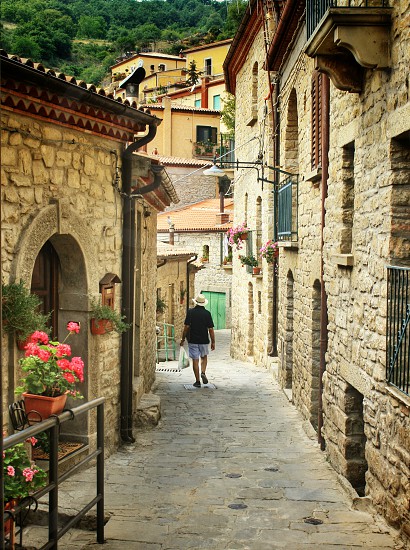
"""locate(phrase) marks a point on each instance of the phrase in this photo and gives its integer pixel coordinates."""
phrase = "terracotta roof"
(167, 250)
(200, 216)
(182, 108)
(207, 46)
(177, 161)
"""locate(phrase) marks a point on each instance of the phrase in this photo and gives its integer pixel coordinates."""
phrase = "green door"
(217, 307)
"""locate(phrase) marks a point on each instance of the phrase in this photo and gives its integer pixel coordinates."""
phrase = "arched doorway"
(45, 281)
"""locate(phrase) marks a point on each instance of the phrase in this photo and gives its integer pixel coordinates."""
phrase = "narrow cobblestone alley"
(227, 468)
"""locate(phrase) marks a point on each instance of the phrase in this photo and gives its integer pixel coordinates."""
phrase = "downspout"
(187, 279)
(128, 298)
(276, 161)
(323, 295)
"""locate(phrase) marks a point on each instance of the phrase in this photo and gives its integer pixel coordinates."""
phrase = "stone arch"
(289, 333)
(291, 148)
(70, 237)
(251, 320)
(315, 344)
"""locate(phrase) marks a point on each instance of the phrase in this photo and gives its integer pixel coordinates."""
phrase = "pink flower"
(63, 349)
(32, 440)
(10, 471)
(39, 336)
(73, 327)
(69, 376)
(44, 355)
(64, 364)
(31, 349)
(28, 473)
(77, 365)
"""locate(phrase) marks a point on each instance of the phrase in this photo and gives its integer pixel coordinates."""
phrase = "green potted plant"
(49, 375)
(20, 311)
(21, 478)
(249, 260)
(105, 319)
(161, 305)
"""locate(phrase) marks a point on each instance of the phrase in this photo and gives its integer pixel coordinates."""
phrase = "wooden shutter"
(316, 151)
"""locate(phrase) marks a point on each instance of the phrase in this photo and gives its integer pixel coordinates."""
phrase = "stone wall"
(252, 295)
(191, 188)
(56, 185)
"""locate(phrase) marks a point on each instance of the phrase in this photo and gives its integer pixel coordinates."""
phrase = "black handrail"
(53, 423)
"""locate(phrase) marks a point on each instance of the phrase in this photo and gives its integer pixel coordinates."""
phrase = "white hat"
(200, 300)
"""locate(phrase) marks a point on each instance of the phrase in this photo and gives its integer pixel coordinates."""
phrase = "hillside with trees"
(84, 38)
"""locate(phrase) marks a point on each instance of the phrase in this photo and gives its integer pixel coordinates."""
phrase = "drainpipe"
(171, 236)
(128, 298)
(323, 295)
(276, 159)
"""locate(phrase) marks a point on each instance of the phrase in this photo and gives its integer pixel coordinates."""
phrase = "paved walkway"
(227, 468)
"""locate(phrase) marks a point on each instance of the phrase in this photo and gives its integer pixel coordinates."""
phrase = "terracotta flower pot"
(40, 407)
(100, 326)
(21, 344)
(256, 270)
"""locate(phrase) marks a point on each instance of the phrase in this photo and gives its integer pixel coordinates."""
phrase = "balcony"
(207, 149)
(288, 209)
(345, 37)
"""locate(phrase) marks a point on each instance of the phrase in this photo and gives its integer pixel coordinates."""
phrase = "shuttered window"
(316, 153)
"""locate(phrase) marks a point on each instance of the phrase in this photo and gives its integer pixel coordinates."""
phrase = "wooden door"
(44, 283)
(217, 307)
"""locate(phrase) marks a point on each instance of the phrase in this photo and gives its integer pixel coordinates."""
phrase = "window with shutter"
(316, 152)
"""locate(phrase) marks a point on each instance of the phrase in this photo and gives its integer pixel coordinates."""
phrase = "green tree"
(91, 27)
(193, 73)
(228, 114)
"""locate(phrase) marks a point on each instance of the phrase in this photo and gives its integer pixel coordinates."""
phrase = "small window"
(208, 66)
(216, 101)
(206, 134)
(161, 67)
(205, 253)
(197, 103)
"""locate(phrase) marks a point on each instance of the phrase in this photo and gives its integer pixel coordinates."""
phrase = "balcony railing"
(52, 425)
(398, 328)
(288, 209)
(316, 9)
(224, 148)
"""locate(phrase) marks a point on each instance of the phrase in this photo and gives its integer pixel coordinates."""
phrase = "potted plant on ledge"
(50, 375)
(20, 312)
(252, 262)
(105, 319)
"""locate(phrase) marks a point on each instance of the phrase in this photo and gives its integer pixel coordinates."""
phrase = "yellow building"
(182, 129)
(209, 58)
(152, 62)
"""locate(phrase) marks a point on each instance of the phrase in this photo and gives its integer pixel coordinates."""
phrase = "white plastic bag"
(183, 361)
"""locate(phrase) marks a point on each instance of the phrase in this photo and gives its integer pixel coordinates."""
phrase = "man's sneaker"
(204, 378)
(197, 384)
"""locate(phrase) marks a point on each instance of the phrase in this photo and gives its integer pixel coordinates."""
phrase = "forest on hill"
(84, 38)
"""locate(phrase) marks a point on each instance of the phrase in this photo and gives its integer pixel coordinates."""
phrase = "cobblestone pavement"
(227, 468)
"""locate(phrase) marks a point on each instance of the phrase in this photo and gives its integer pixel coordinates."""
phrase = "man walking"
(199, 326)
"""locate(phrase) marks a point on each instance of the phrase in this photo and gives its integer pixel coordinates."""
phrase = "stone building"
(78, 209)
(202, 227)
(176, 268)
(328, 119)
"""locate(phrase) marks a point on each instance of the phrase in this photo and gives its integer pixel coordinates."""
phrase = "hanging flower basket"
(236, 236)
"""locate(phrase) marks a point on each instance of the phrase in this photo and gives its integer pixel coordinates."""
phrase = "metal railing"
(398, 328)
(316, 9)
(288, 209)
(53, 424)
(166, 344)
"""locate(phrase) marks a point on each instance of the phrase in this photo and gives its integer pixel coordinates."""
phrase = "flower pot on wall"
(100, 326)
(40, 407)
(256, 270)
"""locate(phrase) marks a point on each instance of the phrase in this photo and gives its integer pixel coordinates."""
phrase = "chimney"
(222, 217)
(171, 233)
